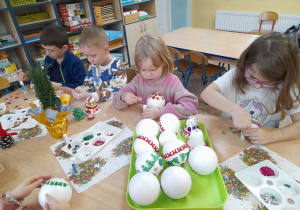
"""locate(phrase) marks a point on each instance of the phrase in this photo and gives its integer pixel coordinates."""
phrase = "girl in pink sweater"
(155, 67)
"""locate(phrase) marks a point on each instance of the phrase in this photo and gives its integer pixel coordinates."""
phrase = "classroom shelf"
(10, 47)
(32, 5)
(136, 3)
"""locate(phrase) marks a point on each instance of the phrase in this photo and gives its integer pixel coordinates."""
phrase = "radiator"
(240, 21)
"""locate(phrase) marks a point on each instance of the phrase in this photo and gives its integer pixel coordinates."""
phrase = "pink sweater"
(179, 101)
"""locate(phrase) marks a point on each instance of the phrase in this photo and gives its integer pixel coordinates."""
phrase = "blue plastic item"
(118, 56)
(113, 35)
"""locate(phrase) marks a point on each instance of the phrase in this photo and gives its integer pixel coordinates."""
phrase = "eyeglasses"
(264, 84)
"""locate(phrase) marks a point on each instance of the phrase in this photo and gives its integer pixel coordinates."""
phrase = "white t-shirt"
(257, 103)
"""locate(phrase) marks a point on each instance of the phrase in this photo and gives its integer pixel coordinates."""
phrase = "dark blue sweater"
(69, 73)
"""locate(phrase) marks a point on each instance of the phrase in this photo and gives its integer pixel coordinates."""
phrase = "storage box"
(127, 2)
(118, 56)
(115, 43)
(71, 13)
(9, 69)
(71, 6)
(78, 27)
(15, 3)
(131, 18)
(113, 35)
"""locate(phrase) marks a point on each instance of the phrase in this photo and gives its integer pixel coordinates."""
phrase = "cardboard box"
(71, 6)
(115, 43)
(131, 18)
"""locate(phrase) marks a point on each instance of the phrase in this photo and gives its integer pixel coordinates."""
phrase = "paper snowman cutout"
(155, 100)
(170, 122)
(149, 162)
(144, 188)
(191, 124)
(91, 106)
(203, 160)
(144, 143)
(196, 139)
(175, 152)
(58, 188)
(176, 182)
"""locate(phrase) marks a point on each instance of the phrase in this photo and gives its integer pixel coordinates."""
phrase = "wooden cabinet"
(140, 28)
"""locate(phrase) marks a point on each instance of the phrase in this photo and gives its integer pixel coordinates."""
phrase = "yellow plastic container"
(11, 68)
(15, 3)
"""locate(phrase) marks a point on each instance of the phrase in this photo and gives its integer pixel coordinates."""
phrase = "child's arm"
(266, 135)
(77, 75)
(212, 96)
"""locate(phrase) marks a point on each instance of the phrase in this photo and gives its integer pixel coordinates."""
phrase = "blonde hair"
(276, 58)
(93, 36)
(153, 47)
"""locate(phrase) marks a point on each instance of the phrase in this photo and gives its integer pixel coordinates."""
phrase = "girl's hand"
(129, 98)
(28, 185)
(56, 85)
(80, 94)
(259, 135)
(152, 113)
(67, 90)
(54, 205)
(1, 168)
(241, 119)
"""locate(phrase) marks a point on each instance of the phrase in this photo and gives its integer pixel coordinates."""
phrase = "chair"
(182, 65)
(4, 84)
(204, 69)
(131, 73)
(265, 16)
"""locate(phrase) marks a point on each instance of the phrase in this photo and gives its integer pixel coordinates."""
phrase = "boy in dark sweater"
(65, 69)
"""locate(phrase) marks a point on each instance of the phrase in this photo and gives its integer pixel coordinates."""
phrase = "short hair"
(153, 47)
(276, 58)
(54, 35)
(93, 36)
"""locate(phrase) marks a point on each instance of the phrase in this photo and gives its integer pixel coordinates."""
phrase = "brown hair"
(153, 47)
(93, 36)
(276, 58)
(54, 35)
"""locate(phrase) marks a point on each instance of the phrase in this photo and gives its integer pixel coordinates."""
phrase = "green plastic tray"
(208, 192)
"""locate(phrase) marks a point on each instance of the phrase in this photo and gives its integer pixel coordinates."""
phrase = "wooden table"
(217, 45)
(34, 156)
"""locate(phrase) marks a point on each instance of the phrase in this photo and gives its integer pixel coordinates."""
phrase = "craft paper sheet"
(239, 197)
(22, 134)
(115, 155)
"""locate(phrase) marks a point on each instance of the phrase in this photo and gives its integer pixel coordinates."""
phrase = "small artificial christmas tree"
(43, 87)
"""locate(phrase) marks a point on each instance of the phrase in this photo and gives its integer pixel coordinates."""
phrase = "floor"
(195, 86)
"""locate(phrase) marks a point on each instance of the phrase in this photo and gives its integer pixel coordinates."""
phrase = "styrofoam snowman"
(203, 160)
(91, 106)
(149, 162)
(166, 136)
(176, 182)
(196, 139)
(155, 100)
(147, 126)
(58, 188)
(176, 152)
(191, 124)
(144, 188)
(144, 143)
(170, 122)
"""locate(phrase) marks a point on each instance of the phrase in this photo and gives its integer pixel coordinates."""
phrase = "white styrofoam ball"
(144, 188)
(149, 162)
(176, 152)
(58, 188)
(203, 160)
(144, 143)
(196, 139)
(191, 124)
(170, 122)
(147, 126)
(156, 100)
(166, 136)
(176, 182)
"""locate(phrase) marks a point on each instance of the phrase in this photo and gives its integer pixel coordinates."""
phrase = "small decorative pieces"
(266, 171)
(155, 100)
(78, 113)
(91, 107)
(6, 140)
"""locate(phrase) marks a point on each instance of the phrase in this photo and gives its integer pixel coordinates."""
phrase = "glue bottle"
(75, 165)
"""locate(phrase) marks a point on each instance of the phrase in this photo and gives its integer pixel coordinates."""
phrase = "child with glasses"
(265, 82)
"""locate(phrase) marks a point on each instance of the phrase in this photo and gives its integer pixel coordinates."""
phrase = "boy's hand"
(66, 90)
(129, 98)
(54, 205)
(21, 76)
(28, 185)
(152, 113)
(80, 94)
(56, 85)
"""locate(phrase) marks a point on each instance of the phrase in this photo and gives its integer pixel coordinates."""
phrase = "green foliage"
(78, 113)
(42, 85)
